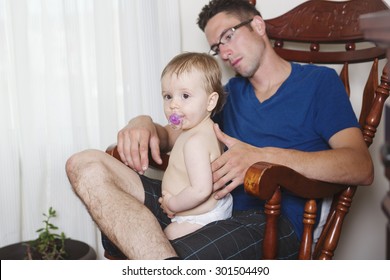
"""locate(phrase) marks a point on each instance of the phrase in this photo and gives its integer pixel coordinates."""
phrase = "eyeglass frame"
(214, 49)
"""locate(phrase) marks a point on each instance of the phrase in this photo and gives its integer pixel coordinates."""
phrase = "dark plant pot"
(76, 250)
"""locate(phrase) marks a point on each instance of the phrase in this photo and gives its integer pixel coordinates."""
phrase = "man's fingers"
(120, 147)
(155, 150)
(144, 155)
(224, 138)
(224, 191)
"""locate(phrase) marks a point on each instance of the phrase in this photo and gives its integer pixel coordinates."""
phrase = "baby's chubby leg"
(175, 230)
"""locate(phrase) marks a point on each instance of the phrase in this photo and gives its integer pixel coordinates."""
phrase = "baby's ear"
(213, 100)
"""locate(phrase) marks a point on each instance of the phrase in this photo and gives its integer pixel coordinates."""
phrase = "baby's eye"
(167, 97)
(185, 95)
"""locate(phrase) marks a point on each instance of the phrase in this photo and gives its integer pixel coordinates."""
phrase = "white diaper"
(222, 210)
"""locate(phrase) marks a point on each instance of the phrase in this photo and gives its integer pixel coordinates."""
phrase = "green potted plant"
(49, 245)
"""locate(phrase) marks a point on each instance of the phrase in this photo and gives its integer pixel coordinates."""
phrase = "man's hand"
(134, 141)
(230, 168)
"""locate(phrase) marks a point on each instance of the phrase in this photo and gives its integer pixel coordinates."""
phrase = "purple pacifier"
(175, 121)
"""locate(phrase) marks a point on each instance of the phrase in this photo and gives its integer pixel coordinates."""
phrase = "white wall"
(363, 235)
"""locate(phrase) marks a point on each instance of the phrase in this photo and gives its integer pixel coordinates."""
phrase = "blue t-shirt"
(306, 111)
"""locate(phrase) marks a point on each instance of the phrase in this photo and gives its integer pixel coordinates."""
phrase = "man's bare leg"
(114, 196)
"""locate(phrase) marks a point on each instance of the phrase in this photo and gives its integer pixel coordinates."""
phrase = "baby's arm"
(197, 161)
(166, 196)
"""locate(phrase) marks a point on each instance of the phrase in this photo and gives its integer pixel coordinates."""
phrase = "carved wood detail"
(329, 21)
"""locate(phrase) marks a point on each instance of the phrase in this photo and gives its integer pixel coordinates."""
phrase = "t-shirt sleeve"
(334, 111)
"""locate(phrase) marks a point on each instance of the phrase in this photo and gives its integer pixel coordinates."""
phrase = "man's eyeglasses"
(226, 37)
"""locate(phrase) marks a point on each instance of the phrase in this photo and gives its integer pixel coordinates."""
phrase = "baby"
(192, 93)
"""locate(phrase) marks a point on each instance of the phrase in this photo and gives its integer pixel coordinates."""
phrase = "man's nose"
(224, 51)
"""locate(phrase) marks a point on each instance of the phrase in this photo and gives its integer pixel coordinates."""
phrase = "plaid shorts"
(239, 237)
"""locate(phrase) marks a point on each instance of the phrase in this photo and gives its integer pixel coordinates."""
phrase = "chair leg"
(331, 241)
(272, 211)
(309, 219)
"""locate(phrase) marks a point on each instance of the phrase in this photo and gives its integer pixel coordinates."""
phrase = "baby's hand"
(164, 200)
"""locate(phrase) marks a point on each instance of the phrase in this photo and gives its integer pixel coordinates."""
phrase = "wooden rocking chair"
(319, 24)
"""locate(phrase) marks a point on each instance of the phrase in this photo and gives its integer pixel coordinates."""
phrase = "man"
(276, 111)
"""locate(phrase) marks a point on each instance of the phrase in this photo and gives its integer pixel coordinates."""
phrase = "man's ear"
(213, 100)
(258, 24)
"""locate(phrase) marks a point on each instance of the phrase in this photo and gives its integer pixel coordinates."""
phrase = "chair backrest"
(333, 36)
(327, 32)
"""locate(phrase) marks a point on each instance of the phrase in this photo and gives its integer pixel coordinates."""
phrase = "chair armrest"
(262, 179)
(113, 151)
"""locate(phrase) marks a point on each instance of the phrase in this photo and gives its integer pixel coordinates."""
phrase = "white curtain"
(72, 73)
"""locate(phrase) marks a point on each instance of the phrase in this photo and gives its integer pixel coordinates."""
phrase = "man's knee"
(82, 164)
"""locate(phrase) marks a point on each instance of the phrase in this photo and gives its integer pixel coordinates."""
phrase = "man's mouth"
(235, 62)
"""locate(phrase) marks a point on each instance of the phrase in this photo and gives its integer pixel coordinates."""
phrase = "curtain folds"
(72, 73)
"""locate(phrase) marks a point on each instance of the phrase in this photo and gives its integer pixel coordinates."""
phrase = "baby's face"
(185, 99)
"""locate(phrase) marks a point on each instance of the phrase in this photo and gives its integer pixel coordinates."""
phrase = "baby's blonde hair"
(204, 63)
